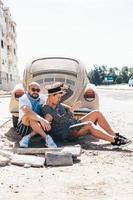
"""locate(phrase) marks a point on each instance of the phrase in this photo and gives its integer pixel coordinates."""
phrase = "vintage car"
(69, 71)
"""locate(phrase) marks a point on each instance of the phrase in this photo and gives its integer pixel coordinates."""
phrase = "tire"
(14, 121)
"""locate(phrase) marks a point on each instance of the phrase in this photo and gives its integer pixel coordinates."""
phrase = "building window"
(3, 33)
(13, 29)
(7, 77)
(14, 51)
(8, 47)
(0, 78)
(2, 44)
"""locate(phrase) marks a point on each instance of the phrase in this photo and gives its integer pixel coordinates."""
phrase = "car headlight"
(89, 95)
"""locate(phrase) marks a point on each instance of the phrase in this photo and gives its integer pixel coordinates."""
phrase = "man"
(30, 121)
(62, 121)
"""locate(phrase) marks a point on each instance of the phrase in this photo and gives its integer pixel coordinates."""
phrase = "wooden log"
(58, 159)
(33, 161)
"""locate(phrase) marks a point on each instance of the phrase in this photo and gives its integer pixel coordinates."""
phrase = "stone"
(74, 150)
(58, 159)
(33, 161)
(35, 150)
(27, 165)
(4, 161)
(6, 153)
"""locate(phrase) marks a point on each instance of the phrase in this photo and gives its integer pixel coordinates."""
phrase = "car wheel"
(14, 121)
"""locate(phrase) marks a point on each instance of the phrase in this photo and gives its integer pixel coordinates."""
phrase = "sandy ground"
(100, 173)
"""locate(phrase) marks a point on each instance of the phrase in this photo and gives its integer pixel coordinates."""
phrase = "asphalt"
(115, 87)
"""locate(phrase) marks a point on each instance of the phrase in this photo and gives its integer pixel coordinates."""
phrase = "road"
(117, 105)
(115, 99)
(4, 109)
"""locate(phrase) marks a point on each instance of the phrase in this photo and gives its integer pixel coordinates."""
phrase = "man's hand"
(45, 124)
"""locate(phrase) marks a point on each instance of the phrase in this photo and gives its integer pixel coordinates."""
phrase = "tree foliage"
(100, 74)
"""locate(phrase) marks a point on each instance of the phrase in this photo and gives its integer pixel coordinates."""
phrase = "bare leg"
(37, 129)
(25, 120)
(93, 130)
(97, 116)
(32, 134)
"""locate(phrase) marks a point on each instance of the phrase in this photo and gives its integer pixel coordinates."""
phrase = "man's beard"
(34, 97)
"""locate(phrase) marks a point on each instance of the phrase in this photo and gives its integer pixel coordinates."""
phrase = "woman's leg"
(93, 130)
(97, 116)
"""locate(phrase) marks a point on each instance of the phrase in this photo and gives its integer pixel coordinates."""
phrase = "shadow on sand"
(87, 142)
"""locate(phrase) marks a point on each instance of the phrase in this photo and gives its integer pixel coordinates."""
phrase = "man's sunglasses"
(35, 90)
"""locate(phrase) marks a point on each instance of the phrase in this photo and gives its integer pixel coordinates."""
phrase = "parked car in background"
(69, 71)
(130, 82)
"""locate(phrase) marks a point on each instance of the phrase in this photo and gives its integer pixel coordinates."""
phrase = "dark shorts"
(65, 133)
(73, 131)
(23, 129)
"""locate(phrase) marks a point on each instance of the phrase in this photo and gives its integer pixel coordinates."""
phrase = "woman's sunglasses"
(35, 90)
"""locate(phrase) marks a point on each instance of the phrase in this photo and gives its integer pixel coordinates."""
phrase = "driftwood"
(33, 161)
(74, 150)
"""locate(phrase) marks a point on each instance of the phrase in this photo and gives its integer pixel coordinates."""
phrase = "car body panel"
(70, 71)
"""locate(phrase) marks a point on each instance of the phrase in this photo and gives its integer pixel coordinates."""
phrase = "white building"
(9, 74)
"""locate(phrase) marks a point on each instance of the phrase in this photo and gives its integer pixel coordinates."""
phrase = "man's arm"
(34, 116)
(49, 118)
(75, 106)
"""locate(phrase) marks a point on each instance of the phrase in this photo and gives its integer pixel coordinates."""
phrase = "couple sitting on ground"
(50, 119)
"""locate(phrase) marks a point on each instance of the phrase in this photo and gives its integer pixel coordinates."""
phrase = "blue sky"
(95, 31)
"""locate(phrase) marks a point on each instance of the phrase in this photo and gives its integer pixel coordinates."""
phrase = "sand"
(100, 173)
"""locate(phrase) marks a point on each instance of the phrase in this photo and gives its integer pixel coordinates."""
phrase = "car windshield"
(52, 65)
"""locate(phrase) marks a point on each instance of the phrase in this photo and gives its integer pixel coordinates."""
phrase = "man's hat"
(55, 90)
